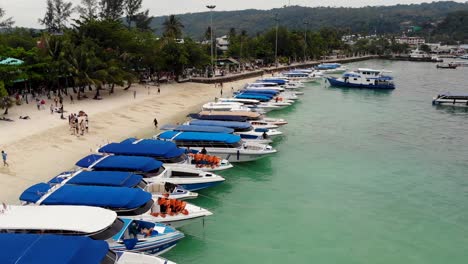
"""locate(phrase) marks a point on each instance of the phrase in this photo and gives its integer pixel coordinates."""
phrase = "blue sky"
(27, 12)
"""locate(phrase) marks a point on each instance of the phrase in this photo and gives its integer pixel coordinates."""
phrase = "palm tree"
(173, 27)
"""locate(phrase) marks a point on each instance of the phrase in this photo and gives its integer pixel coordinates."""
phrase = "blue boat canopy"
(278, 81)
(219, 117)
(262, 91)
(146, 147)
(100, 196)
(198, 136)
(103, 178)
(34, 248)
(230, 124)
(198, 128)
(261, 98)
(121, 163)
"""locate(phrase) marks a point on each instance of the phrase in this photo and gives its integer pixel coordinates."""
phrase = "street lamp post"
(276, 41)
(211, 7)
(305, 40)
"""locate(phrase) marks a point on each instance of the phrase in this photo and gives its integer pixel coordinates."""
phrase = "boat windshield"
(137, 211)
(110, 258)
(110, 231)
(208, 144)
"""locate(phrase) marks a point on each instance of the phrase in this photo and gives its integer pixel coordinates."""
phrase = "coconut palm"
(173, 27)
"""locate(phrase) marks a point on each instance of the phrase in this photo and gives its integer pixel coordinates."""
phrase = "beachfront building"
(412, 41)
(222, 43)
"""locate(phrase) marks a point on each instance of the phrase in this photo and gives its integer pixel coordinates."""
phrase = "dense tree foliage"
(364, 20)
(452, 29)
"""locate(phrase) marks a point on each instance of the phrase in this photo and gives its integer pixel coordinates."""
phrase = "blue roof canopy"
(219, 117)
(199, 128)
(100, 196)
(103, 178)
(230, 124)
(261, 91)
(197, 136)
(33, 248)
(278, 81)
(147, 147)
(261, 98)
(121, 163)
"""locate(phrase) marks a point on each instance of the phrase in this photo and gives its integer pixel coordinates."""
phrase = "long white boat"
(225, 106)
(226, 146)
(122, 179)
(152, 170)
(254, 104)
(451, 99)
(126, 202)
(96, 223)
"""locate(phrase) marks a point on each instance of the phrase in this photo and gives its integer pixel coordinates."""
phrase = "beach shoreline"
(42, 147)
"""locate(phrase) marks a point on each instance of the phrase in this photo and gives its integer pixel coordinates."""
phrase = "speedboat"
(85, 221)
(301, 76)
(122, 179)
(225, 106)
(363, 78)
(253, 104)
(331, 68)
(284, 82)
(40, 248)
(229, 116)
(446, 66)
(152, 170)
(226, 146)
(166, 152)
(236, 126)
(451, 99)
(464, 57)
(126, 202)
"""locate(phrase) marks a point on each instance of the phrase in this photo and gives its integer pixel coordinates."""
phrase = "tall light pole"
(276, 41)
(305, 40)
(211, 7)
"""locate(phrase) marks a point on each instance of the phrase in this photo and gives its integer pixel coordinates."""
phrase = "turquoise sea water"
(360, 176)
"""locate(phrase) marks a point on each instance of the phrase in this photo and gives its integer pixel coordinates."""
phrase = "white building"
(413, 41)
(222, 43)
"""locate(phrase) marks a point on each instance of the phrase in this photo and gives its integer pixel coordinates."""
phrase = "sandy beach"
(42, 147)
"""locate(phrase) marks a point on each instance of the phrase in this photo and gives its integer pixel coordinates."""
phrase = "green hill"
(380, 19)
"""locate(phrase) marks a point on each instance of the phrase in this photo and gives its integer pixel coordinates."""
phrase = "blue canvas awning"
(230, 124)
(260, 91)
(121, 163)
(261, 98)
(196, 136)
(33, 248)
(147, 148)
(278, 81)
(219, 117)
(99, 196)
(199, 128)
(103, 178)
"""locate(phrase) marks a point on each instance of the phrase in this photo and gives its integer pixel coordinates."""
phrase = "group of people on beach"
(79, 123)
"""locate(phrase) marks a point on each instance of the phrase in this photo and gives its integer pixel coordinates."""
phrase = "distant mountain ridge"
(370, 19)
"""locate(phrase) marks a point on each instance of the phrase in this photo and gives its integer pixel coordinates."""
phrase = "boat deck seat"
(156, 188)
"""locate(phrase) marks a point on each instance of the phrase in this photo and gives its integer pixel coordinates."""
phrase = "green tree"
(57, 14)
(172, 27)
(112, 9)
(5, 22)
(88, 9)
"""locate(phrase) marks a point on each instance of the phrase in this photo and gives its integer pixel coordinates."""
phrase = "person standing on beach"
(51, 108)
(71, 99)
(4, 157)
(155, 121)
(134, 94)
(38, 104)
(159, 89)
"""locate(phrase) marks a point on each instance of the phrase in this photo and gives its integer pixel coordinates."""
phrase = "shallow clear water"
(360, 176)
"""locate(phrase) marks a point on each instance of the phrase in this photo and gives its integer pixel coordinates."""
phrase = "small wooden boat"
(446, 66)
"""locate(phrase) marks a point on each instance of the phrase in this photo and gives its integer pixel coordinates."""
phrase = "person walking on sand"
(4, 157)
(155, 121)
(159, 89)
(38, 104)
(71, 99)
(221, 92)
(51, 108)
(134, 94)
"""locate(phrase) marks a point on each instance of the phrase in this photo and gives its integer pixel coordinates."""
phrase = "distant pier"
(270, 70)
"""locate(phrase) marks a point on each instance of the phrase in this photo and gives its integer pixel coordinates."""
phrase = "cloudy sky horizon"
(27, 12)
